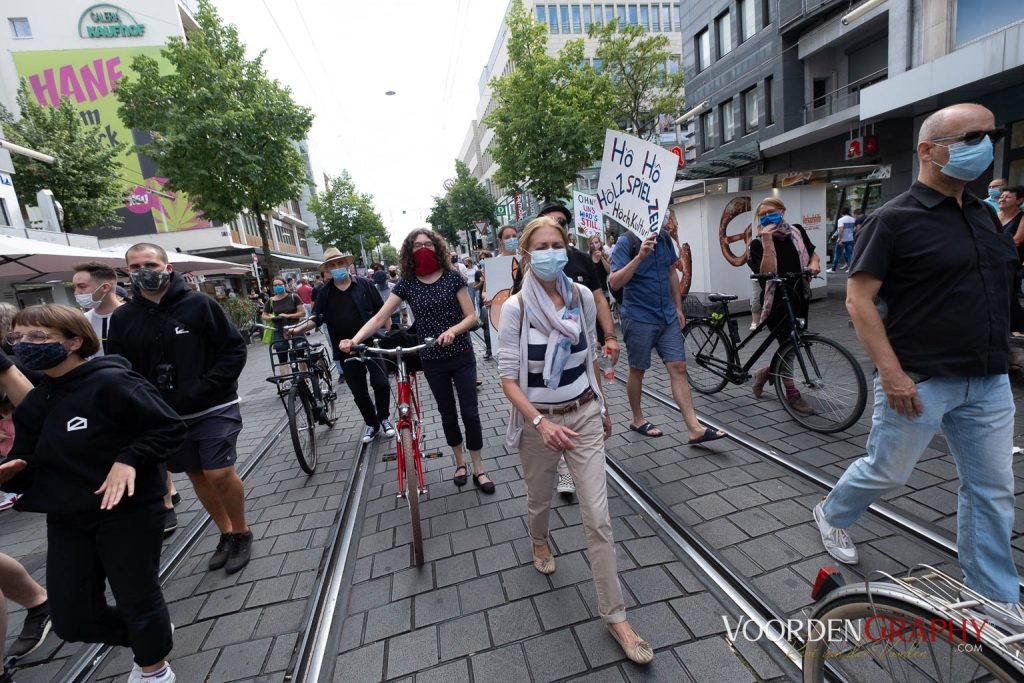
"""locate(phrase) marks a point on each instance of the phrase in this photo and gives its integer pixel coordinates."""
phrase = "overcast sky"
(340, 57)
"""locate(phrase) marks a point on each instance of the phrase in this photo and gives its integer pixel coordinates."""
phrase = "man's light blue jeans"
(976, 416)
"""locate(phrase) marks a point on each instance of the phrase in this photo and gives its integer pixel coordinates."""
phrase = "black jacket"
(72, 429)
(192, 332)
(365, 295)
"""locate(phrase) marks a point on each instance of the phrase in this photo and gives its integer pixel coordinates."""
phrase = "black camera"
(165, 376)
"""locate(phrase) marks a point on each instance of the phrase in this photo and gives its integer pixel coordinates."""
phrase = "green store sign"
(108, 21)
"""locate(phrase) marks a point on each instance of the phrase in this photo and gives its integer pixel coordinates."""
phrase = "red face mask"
(425, 261)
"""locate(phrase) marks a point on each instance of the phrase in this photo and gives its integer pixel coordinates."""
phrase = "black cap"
(556, 206)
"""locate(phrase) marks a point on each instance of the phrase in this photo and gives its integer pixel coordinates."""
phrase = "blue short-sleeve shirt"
(646, 297)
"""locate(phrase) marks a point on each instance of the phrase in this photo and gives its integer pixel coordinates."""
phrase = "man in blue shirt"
(652, 317)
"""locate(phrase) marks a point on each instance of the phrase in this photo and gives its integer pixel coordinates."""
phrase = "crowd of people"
(100, 407)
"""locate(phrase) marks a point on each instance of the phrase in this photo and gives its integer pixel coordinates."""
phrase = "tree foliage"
(223, 132)
(642, 87)
(441, 221)
(389, 254)
(344, 213)
(550, 113)
(468, 200)
(84, 178)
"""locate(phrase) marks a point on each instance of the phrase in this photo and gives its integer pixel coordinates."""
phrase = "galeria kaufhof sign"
(108, 21)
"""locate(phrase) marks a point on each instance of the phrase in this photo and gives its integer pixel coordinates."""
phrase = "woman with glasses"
(439, 300)
(89, 443)
(547, 353)
(782, 247)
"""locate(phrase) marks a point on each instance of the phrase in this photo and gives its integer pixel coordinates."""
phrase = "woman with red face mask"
(439, 300)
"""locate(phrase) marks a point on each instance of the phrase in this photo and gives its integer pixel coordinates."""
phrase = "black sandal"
(486, 487)
(461, 479)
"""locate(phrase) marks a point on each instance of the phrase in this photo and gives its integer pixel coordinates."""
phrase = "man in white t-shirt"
(844, 236)
(95, 287)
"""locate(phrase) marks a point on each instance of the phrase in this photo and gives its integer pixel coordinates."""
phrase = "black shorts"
(210, 444)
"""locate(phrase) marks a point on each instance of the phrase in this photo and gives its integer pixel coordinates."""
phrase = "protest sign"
(499, 275)
(636, 182)
(588, 217)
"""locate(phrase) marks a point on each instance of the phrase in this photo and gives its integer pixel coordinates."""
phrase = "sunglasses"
(976, 136)
(561, 221)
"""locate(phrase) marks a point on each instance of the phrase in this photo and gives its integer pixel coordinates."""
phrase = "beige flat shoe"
(545, 566)
(639, 652)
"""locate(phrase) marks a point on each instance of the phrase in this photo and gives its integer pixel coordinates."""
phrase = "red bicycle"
(410, 434)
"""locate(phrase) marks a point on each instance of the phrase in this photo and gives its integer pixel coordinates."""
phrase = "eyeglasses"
(419, 245)
(975, 136)
(32, 338)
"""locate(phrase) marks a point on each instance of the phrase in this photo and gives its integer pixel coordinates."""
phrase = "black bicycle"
(307, 392)
(824, 372)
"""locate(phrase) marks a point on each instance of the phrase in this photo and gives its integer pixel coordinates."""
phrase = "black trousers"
(448, 377)
(121, 546)
(376, 409)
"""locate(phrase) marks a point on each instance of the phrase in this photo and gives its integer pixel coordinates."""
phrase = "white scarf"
(563, 331)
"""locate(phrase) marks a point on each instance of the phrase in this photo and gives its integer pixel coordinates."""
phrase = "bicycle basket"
(404, 337)
(696, 305)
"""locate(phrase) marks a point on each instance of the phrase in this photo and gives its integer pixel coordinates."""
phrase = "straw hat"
(333, 254)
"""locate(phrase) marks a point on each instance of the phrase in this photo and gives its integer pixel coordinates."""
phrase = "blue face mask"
(994, 192)
(547, 264)
(278, 289)
(511, 244)
(770, 219)
(967, 162)
(339, 274)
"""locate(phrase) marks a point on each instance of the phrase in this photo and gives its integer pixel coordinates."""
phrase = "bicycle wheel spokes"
(327, 392)
(301, 425)
(831, 385)
(708, 347)
(412, 491)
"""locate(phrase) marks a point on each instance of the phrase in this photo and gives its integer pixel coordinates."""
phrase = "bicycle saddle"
(722, 297)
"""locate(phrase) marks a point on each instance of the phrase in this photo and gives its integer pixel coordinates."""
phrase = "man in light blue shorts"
(652, 318)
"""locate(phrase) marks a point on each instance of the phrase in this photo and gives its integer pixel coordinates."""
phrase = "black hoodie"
(192, 332)
(72, 429)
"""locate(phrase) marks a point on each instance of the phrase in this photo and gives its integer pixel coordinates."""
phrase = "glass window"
(750, 117)
(674, 9)
(703, 50)
(541, 14)
(597, 64)
(622, 15)
(586, 18)
(553, 18)
(769, 115)
(20, 28)
(5, 216)
(673, 64)
(975, 18)
(727, 122)
(576, 26)
(723, 31)
(707, 130)
(766, 11)
(564, 12)
(632, 15)
(748, 23)
(655, 18)
(645, 18)
(609, 14)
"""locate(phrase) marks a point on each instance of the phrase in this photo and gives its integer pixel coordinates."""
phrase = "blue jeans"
(844, 249)
(976, 416)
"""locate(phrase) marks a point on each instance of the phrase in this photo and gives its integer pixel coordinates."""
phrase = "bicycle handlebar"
(363, 348)
(764, 277)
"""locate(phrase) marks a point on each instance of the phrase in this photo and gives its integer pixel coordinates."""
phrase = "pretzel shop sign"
(636, 182)
(109, 21)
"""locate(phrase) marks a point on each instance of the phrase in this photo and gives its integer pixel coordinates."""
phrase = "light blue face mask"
(339, 273)
(547, 264)
(770, 219)
(994, 192)
(967, 162)
(511, 244)
(278, 289)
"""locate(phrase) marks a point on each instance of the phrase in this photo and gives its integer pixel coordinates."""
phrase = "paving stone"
(712, 660)
(651, 584)
(513, 621)
(572, 569)
(351, 632)
(524, 581)
(231, 628)
(388, 620)
(650, 550)
(369, 594)
(470, 539)
(224, 601)
(368, 661)
(502, 665)
(554, 656)
(280, 619)
(454, 672)
(436, 605)
(240, 661)
(481, 594)
(412, 581)
(452, 570)
(662, 669)
(412, 652)
(770, 552)
(495, 558)
(391, 561)
(465, 636)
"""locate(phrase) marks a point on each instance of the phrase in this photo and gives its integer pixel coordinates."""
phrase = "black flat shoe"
(461, 479)
(486, 487)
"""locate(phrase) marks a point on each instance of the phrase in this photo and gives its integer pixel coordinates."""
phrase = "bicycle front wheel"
(302, 426)
(710, 353)
(412, 492)
(830, 387)
(882, 638)
(327, 394)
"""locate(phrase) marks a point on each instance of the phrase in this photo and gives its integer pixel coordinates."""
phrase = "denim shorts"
(641, 337)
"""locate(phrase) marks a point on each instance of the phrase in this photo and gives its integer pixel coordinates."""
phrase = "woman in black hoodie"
(89, 442)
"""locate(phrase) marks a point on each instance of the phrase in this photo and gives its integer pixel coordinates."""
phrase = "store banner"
(636, 182)
(588, 215)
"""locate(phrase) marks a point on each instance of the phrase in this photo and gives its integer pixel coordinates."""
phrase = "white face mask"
(86, 301)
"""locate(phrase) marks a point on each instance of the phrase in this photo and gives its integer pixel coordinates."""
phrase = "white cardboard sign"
(499, 276)
(636, 182)
(588, 215)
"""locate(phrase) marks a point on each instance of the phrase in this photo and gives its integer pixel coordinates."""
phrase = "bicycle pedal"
(432, 455)
(388, 457)
(423, 491)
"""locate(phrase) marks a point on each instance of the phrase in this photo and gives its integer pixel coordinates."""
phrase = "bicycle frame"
(408, 416)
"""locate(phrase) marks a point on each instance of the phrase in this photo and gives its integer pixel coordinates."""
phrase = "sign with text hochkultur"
(636, 182)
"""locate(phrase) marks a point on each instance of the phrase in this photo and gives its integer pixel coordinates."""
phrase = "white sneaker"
(389, 429)
(166, 676)
(753, 325)
(7, 500)
(369, 434)
(837, 542)
(566, 484)
(1007, 615)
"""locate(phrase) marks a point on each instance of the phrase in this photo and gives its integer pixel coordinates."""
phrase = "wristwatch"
(536, 421)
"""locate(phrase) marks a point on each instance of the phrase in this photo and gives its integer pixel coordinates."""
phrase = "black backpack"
(634, 249)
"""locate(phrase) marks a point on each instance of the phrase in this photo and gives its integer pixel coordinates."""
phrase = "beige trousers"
(586, 464)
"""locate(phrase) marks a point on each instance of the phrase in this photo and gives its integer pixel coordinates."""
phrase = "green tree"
(440, 220)
(468, 200)
(550, 113)
(223, 132)
(389, 254)
(344, 213)
(84, 176)
(642, 86)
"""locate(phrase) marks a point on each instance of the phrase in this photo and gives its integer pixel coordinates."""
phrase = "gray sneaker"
(837, 542)
(387, 428)
(369, 434)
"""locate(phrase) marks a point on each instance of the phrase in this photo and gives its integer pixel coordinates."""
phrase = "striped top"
(573, 382)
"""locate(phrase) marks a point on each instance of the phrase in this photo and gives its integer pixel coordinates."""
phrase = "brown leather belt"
(565, 408)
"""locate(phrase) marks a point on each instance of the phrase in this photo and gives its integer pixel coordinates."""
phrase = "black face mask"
(40, 356)
(150, 280)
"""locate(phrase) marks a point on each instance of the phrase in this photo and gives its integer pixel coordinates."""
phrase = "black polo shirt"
(946, 275)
